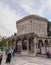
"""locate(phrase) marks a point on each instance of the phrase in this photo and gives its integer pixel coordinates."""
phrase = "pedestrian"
(1, 56)
(14, 51)
(48, 54)
(8, 59)
(11, 50)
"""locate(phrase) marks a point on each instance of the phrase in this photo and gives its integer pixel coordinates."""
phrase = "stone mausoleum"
(32, 36)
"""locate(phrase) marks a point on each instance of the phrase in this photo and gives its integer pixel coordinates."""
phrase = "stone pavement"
(25, 60)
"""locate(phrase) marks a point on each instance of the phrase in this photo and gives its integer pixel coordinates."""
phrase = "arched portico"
(40, 44)
(18, 45)
(25, 44)
(31, 44)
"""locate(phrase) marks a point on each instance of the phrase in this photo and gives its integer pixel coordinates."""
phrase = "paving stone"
(27, 61)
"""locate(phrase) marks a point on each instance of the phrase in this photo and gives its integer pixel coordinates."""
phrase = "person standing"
(14, 52)
(11, 50)
(8, 59)
(1, 56)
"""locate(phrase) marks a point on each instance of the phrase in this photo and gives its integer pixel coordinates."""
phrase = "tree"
(3, 42)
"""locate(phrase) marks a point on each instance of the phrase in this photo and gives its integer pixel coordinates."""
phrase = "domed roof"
(37, 17)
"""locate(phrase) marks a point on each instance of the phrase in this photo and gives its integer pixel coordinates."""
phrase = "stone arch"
(18, 45)
(46, 43)
(31, 43)
(40, 43)
(24, 43)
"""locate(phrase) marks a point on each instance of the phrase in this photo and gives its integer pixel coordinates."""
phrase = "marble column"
(27, 46)
(21, 45)
(35, 49)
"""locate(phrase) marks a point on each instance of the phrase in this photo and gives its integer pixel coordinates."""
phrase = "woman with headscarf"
(8, 59)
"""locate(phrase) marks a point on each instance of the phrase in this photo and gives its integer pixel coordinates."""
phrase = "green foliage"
(3, 43)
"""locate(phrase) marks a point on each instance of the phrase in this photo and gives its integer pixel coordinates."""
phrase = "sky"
(13, 10)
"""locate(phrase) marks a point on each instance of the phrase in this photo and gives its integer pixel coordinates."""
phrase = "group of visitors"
(9, 54)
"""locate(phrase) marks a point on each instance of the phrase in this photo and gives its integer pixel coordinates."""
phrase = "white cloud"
(8, 19)
(9, 16)
(29, 6)
(48, 4)
(32, 7)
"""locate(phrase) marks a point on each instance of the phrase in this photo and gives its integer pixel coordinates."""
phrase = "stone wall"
(24, 27)
(38, 26)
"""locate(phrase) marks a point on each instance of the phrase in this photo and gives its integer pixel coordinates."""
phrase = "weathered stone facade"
(32, 24)
(32, 35)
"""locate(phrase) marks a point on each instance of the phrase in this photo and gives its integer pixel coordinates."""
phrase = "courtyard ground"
(25, 60)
